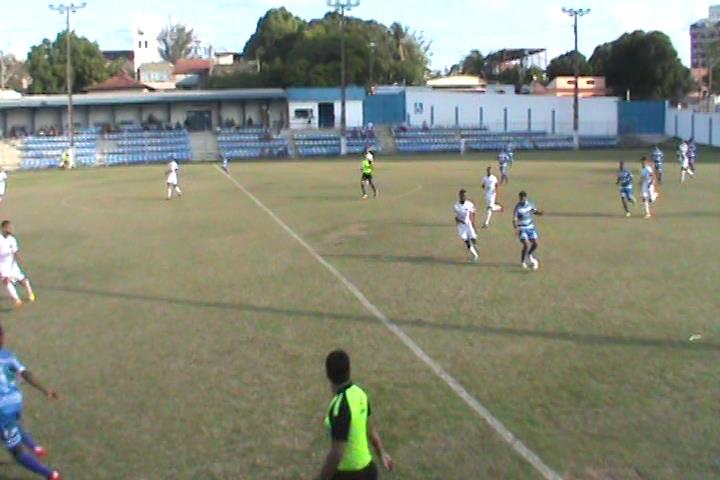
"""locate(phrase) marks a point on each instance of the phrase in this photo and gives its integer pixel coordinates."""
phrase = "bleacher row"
(45, 152)
(327, 144)
(136, 145)
(247, 143)
(425, 140)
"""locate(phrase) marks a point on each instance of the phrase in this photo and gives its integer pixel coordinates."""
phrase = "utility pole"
(575, 13)
(342, 6)
(371, 67)
(67, 9)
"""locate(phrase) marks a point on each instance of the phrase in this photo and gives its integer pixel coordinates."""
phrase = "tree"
(176, 42)
(14, 72)
(46, 64)
(646, 64)
(564, 65)
(599, 58)
(293, 52)
(473, 63)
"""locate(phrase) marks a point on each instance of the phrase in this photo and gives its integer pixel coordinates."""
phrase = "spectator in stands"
(425, 127)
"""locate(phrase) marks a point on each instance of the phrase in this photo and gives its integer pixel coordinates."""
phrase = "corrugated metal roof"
(103, 99)
(330, 94)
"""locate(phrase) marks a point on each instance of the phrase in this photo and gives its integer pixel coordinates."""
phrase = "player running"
(658, 158)
(464, 211)
(11, 271)
(524, 226)
(692, 155)
(510, 150)
(225, 165)
(625, 181)
(173, 171)
(368, 169)
(490, 185)
(504, 165)
(649, 192)
(684, 159)
(3, 183)
(16, 439)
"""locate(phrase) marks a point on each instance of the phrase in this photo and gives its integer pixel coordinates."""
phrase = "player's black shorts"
(368, 473)
(367, 177)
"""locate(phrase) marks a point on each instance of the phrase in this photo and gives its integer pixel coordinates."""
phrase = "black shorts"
(368, 473)
(367, 177)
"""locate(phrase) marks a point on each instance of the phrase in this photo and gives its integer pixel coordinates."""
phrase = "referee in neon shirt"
(351, 433)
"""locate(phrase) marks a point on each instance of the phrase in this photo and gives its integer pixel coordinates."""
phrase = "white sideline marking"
(517, 445)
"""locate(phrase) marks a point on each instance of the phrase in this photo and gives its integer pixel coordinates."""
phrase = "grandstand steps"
(9, 155)
(386, 139)
(204, 146)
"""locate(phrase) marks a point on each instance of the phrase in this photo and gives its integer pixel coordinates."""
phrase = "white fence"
(598, 116)
(703, 127)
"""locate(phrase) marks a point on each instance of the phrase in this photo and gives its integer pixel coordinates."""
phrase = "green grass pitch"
(188, 337)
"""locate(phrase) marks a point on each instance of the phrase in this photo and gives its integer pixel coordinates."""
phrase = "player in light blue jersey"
(692, 155)
(658, 158)
(15, 438)
(625, 181)
(510, 150)
(225, 166)
(524, 226)
(504, 165)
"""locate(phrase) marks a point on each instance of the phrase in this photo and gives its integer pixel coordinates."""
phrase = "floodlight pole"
(371, 67)
(342, 6)
(575, 13)
(67, 9)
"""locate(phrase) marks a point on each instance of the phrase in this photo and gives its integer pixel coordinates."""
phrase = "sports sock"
(473, 250)
(178, 191)
(682, 176)
(28, 287)
(29, 461)
(362, 187)
(488, 216)
(169, 192)
(524, 253)
(646, 208)
(533, 247)
(12, 291)
(27, 440)
(624, 202)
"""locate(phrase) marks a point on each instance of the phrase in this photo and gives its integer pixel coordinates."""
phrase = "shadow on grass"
(637, 214)
(582, 339)
(424, 260)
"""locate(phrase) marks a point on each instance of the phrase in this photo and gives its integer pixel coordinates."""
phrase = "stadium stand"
(245, 143)
(134, 144)
(326, 144)
(425, 139)
(45, 151)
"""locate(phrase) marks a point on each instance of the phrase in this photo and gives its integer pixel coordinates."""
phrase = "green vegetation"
(188, 337)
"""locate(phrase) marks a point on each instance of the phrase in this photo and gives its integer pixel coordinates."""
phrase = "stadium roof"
(100, 99)
(330, 94)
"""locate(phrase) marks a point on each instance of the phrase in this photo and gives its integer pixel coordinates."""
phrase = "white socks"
(488, 216)
(473, 251)
(646, 208)
(12, 291)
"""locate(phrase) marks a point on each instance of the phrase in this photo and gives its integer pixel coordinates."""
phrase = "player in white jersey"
(683, 154)
(649, 188)
(490, 185)
(3, 183)
(11, 271)
(173, 178)
(464, 211)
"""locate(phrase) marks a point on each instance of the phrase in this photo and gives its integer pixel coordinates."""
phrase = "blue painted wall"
(385, 108)
(641, 117)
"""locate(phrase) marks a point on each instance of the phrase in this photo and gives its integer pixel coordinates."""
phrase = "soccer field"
(187, 338)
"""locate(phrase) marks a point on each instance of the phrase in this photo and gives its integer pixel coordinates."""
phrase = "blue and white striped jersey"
(658, 157)
(626, 178)
(524, 215)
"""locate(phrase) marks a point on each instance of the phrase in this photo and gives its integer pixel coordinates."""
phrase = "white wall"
(704, 127)
(354, 112)
(598, 116)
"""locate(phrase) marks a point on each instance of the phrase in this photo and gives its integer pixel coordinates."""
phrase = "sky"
(454, 26)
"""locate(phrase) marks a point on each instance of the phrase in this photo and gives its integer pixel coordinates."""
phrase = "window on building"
(591, 82)
(419, 108)
(303, 113)
(140, 44)
(146, 44)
